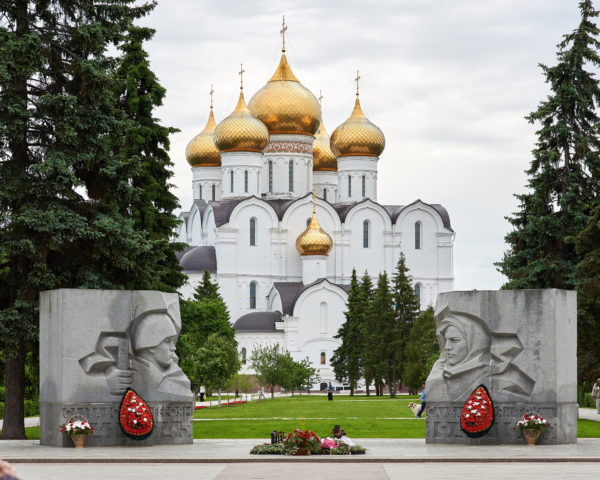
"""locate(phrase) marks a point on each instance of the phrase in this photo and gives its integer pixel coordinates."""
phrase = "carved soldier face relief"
(163, 354)
(455, 345)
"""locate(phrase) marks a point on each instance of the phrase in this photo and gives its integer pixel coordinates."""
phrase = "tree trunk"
(219, 397)
(352, 392)
(14, 408)
(272, 393)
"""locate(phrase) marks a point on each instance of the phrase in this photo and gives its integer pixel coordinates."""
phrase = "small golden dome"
(284, 105)
(323, 157)
(202, 151)
(314, 240)
(240, 131)
(357, 136)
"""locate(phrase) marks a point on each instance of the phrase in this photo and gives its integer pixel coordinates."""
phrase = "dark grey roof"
(444, 214)
(288, 291)
(396, 210)
(198, 259)
(223, 210)
(181, 253)
(257, 322)
(280, 206)
(186, 216)
(201, 204)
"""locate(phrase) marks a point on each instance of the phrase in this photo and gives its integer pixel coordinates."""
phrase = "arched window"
(349, 186)
(252, 294)
(417, 235)
(366, 234)
(244, 356)
(200, 191)
(270, 176)
(323, 359)
(231, 176)
(418, 293)
(291, 176)
(253, 231)
(246, 181)
(214, 191)
(364, 185)
(324, 194)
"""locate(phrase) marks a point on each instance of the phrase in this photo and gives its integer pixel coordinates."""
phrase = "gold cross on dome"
(356, 80)
(241, 72)
(211, 95)
(282, 31)
(320, 98)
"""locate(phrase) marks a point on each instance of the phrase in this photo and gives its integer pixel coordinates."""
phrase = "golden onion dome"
(202, 151)
(284, 105)
(323, 157)
(240, 131)
(357, 136)
(314, 240)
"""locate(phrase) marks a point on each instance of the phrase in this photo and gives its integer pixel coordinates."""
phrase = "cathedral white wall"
(357, 167)
(203, 179)
(246, 168)
(324, 180)
(181, 235)
(378, 256)
(251, 340)
(194, 229)
(318, 315)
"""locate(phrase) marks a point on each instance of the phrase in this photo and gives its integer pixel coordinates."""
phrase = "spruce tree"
(346, 359)
(365, 329)
(385, 336)
(66, 188)
(563, 175)
(588, 299)
(146, 154)
(406, 308)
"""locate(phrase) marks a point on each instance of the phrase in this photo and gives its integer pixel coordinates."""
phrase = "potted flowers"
(301, 442)
(532, 426)
(77, 429)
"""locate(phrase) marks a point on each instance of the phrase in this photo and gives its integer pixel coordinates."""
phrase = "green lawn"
(360, 416)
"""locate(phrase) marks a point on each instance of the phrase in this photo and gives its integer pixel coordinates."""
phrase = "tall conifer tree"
(366, 325)
(346, 359)
(67, 183)
(564, 173)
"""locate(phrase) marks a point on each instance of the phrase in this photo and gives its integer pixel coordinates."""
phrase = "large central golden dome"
(357, 136)
(202, 151)
(240, 131)
(284, 105)
(314, 240)
(323, 157)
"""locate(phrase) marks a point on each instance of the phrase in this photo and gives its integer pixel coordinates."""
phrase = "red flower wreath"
(477, 416)
(135, 416)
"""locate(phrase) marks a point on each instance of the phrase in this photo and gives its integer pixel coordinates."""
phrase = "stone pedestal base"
(172, 423)
(443, 423)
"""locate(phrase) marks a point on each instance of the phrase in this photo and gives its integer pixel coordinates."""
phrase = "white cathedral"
(282, 260)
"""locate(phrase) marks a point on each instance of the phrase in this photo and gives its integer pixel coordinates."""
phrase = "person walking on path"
(422, 398)
(596, 394)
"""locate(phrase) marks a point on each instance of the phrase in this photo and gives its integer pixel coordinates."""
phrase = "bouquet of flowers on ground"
(301, 440)
(531, 421)
(76, 427)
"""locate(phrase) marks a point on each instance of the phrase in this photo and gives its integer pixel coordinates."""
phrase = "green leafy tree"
(66, 184)
(202, 317)
(588, 299)
(422, 350)
(406, 307)
(563, 177)
(216, 362)
(346, 359)
(267, 362)
(297, 376)
(239, 383)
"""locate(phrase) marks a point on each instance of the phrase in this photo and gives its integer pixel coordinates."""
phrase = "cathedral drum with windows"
(282, 256)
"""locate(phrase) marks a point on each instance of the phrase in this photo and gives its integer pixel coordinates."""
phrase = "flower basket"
(79, 439)
(532, 426)
(531, 435)
(301, 442)
(77, 429)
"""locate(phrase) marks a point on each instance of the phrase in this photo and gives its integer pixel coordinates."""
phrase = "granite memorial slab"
(522, 346)
(94, 344)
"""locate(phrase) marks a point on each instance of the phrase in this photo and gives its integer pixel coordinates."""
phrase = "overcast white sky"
(448, 82)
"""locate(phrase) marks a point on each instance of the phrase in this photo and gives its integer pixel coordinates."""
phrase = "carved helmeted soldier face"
(154, 340)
